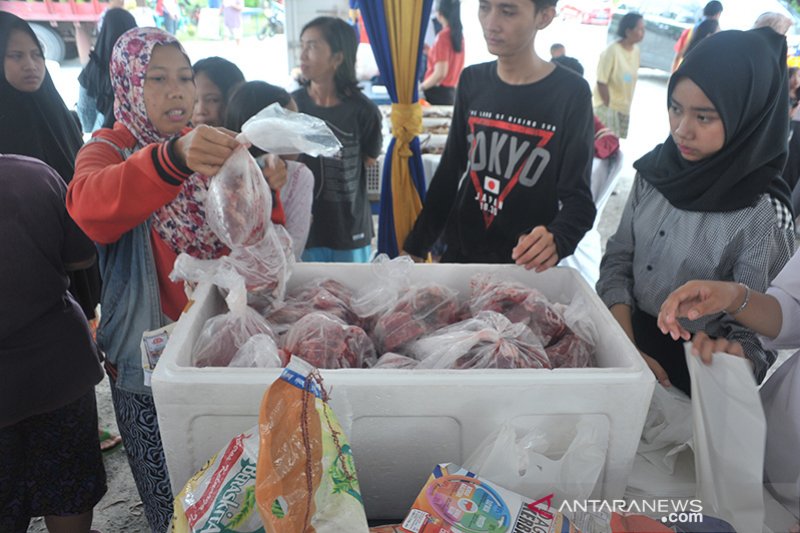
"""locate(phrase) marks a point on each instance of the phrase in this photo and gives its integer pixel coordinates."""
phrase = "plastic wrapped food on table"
(396, 361)
(326, 295)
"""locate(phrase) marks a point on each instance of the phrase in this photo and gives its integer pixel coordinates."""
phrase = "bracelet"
(744, 303)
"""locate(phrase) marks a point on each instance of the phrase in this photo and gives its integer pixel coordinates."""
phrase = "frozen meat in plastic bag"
(279, 131)
(390, 277)
(260, 351)
(577, 346)
(518, 303)
(489, 340)
(222, 336)
(326, 342)
(324, 295)
(265, 266)
(239, 203)
(419, 311)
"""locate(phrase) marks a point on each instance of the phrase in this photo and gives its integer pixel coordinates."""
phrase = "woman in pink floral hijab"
(138, 192)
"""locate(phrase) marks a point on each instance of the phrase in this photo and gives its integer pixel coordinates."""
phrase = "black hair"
(712, 9)
(541, 4)
(557, 46)
(570, 63)
(222, 73)
(341, 38)
(451, 11)
(705, 29)
(628, 22)
(247, 100)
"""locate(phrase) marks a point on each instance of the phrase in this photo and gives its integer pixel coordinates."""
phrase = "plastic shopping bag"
(729, 440)
(535, 463)
(280, 131)
(781, 397)
(306, 478)
(222, 495)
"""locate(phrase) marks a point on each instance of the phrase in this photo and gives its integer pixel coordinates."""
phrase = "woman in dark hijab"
(96, 97)
(709, 203)
(36, 123)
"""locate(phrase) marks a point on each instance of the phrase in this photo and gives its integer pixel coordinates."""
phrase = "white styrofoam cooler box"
(403, 422)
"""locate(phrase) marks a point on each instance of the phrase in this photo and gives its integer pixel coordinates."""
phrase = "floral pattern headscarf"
(181, 224)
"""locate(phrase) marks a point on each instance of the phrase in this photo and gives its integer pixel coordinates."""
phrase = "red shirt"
(442, 50)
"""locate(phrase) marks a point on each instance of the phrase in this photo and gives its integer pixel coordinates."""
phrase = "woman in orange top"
(446, 56)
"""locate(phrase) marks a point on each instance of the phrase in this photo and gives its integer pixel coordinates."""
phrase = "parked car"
(587, 11)
(665, 20)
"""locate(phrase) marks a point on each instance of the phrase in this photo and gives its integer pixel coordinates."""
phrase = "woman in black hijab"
(96, 98)
(35, 122)
(708, 203)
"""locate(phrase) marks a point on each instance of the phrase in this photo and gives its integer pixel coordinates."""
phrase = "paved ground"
(120, 510)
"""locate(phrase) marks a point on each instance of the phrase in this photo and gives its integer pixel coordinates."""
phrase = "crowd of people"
(711, 203)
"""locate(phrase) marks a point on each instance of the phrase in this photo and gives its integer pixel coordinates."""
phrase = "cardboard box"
(401, 423)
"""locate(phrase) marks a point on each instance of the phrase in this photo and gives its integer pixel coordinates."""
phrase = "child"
(296, 192)
(513, 182)
(138, 193)
(710, 201)
(341, 228)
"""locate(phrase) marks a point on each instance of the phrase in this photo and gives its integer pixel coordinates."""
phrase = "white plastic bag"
(667, 429)
(222, 336)
(260, 351)
(389, 278)
(532, 464)
(280, 131)
(781, 397)
(729, 440)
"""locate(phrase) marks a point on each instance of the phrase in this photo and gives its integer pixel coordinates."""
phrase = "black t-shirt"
(517, 157)
(47, 355)
(342, 219)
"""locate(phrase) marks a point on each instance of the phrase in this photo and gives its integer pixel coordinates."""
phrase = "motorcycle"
(274, 24)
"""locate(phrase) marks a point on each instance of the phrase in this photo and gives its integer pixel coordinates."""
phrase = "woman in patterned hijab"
(138, 192)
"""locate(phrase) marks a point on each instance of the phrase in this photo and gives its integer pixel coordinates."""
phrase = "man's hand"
(657, 369)
(536, 250)
(205, 149)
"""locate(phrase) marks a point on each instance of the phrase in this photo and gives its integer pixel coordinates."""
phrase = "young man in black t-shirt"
(513, 182)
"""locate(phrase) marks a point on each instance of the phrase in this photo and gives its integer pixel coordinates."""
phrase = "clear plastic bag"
(265, 266)
(260, 351)
(280, 131)
(488, 340)
(239, 204)
(389, 278)
(577, 346)
(323, 295)
(396, 361)
(419, 311)
(518, 303)
(222, 336)
(327, 342)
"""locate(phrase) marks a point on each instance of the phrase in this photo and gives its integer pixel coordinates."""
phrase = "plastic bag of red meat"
(518, 303)
(239, 203)
(326, 342)
(489, 340)
(265, 267)
(419, 311)
(577, 346)
(389, 278)
(222, 336)
(396, 361)
(323, 295)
